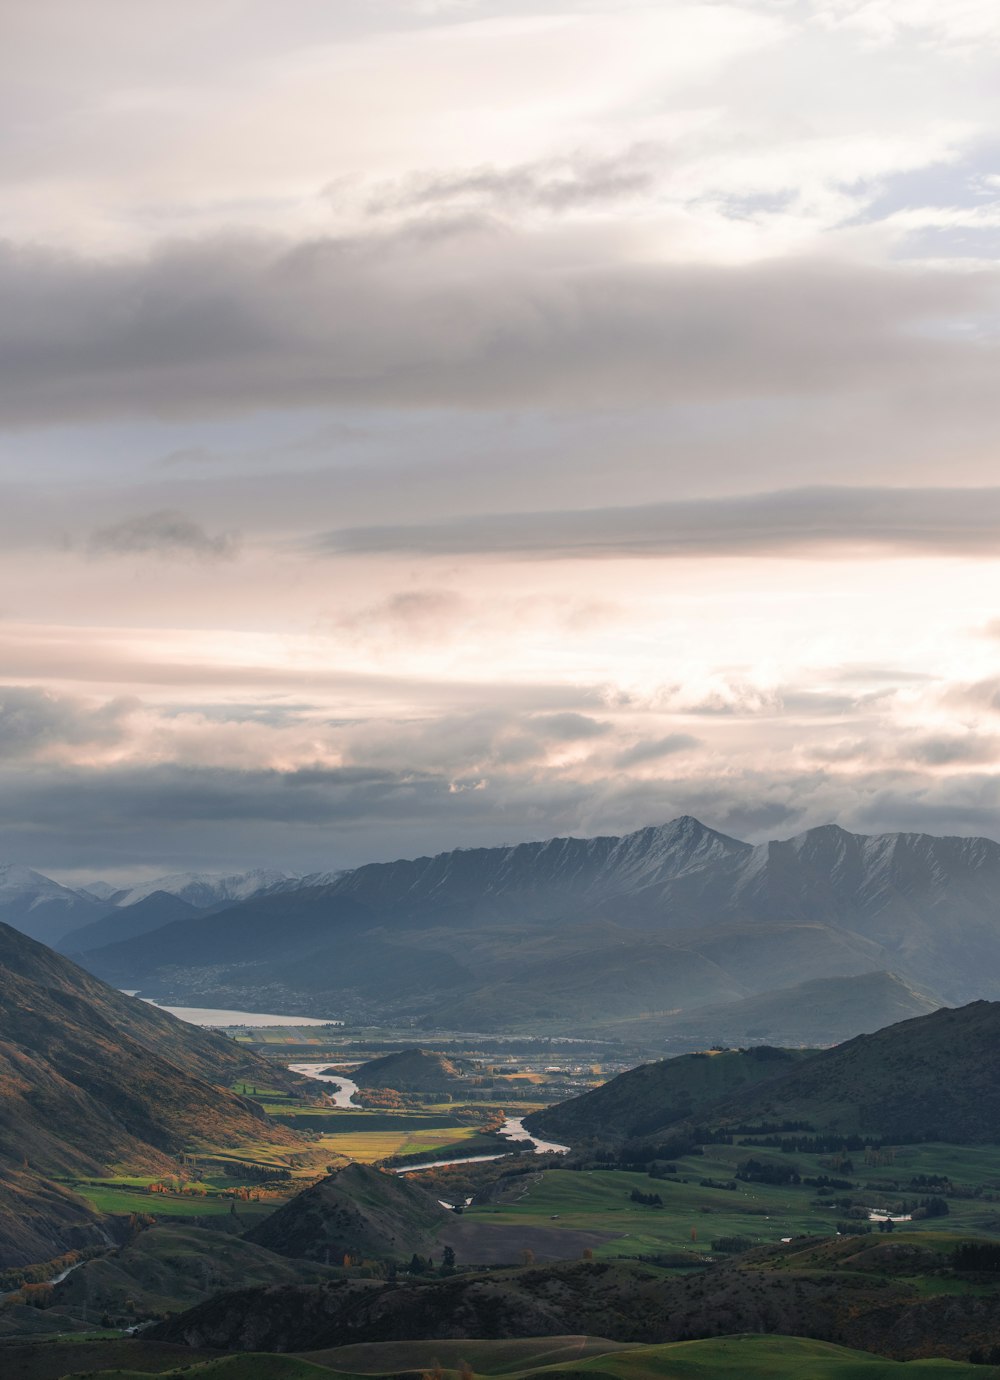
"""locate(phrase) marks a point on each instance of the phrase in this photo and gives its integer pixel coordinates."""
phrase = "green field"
(107, 1197)
(693, 1215)
(735, 1358)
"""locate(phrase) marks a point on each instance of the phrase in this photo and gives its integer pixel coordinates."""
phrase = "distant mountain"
(40, 907)
(936, 1077)
(203, 889)
(411, 1070)
(91, 1079)
(101, 891)
(127, 922)
(825, 1011)
(577, 934)
(358, 1211)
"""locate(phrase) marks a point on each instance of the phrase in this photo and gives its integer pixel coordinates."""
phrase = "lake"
(210, 1015)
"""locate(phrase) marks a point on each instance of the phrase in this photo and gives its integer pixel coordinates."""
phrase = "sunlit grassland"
(107, 1196)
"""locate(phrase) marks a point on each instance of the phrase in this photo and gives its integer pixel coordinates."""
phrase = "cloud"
(164, 533)
(851, 521)
(395, 320)
(35, 721)
(653, 750)
(327, 817)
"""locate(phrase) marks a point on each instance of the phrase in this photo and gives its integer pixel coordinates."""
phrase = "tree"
(448, 1261)
(527, 1256)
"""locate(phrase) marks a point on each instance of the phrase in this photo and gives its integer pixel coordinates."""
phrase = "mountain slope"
(91, 1079)
(824, 1011)
(127, 922)
(650, 1099)
(935, 1077)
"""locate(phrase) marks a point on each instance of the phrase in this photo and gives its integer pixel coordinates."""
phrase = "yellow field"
(368, 1146)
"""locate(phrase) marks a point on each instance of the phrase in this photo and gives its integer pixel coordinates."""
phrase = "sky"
(435, 423)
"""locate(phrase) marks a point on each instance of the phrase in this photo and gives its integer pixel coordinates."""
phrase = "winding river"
(513, 1128)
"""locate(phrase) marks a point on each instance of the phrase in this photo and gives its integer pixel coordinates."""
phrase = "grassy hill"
(741, 1357)
(412, 1070)
(655, 1096)
(357, 1211)
(91, 1080)
(935, 1077)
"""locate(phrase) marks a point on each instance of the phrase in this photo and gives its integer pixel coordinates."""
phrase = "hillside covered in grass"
(936, 1077)
(91, 1080)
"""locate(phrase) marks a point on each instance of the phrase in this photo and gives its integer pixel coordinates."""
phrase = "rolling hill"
(412, 1070)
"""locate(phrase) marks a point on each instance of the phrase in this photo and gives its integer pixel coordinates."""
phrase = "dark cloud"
(652, 750)
(323, 818)
(471, 321)
(846, 521)
(164, 533)
(551, 185)
(33, 720)
(941, 750)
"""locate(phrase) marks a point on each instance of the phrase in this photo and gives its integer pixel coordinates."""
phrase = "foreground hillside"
(598, 933)
(902, 1301)
(936, 1077)
(740, 1357)
(90, 1080)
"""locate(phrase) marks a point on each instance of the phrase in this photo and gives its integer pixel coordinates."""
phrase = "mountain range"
(587, 934)
(623, 936)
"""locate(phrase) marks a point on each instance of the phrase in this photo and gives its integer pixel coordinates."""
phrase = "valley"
(240, 1197)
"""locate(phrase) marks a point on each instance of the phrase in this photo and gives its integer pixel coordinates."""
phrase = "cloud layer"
(433, 423)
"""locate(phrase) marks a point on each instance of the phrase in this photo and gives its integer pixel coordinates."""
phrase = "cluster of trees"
(809, 1145)
(638, 1153)
(256, 1173)
(424, 1264)
(760, 1172)
(977, 1255)
(191, 1190)
(648, 1199)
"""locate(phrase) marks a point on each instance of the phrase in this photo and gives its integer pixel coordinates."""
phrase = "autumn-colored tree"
(527, 1256)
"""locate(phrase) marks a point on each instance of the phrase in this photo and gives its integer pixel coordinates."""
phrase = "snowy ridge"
(203, 889)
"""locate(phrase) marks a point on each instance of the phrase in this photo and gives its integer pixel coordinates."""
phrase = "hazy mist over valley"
(500, 690)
